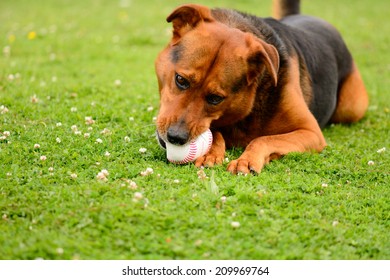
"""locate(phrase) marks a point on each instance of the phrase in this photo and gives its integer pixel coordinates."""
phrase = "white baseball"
(190, 151)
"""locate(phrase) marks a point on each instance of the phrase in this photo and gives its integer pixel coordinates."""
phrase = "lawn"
(82, 176)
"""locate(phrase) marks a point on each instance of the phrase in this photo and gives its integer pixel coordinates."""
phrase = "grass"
(60, 63)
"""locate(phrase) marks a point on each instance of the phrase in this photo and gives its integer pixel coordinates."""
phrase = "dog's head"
(208, 74)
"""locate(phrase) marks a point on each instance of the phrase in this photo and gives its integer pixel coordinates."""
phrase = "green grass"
(332, 205)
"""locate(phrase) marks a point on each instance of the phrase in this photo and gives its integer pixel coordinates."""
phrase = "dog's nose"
(177, 136)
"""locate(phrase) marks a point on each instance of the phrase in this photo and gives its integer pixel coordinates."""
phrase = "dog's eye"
(181, 82)
(214, 99)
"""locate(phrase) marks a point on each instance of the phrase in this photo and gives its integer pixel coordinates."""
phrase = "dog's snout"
(177, 135)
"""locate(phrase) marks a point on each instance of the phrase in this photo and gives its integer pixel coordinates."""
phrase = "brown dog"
(264, 84)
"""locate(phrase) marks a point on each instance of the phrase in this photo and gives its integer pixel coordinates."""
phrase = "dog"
(268, 85)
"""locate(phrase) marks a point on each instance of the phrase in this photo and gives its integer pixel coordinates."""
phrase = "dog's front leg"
(216, 153)
(262, 150)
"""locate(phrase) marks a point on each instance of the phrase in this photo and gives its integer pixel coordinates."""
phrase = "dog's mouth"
(160, 141)
(178, 134)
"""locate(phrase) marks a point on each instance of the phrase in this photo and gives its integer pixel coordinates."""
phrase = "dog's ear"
(187, 17)
(261, 52)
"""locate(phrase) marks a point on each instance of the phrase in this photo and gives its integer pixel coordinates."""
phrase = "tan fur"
(216, 154)
(352, 99)
(290, 130)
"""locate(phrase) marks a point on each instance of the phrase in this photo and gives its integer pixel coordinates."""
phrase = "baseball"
(190, 151)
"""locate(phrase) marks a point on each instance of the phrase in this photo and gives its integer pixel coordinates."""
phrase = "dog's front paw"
(245, 165)
(209, 160)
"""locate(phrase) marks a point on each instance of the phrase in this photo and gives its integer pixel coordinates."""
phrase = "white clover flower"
(73, 175)
(142, 150)
(99, 141)
(51, 169)
(235, 224)
(6, 133)
(381, 150)
(58, 140)
(58, 124)
(37, 146)
(7, 51)
(370, 162)
(73, 109)
(105, 131)
(74, 127)
(150, 108)
(34, 99)
(138, 195)
(87, 135)
(147, 172)
(117, 83)
(176, 181)
(107, 154)
(223, 199)
(127, 139)
(78, 132)
(3, 109)
(89, 121)
(131, 119)
(201, 174)
(102, 175)
(43, 158)
(133, 185)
